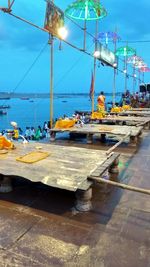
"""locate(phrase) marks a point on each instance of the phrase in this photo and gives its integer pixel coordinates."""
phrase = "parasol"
(87, 10)
(125, 51)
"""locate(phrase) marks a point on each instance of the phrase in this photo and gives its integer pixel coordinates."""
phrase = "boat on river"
(4, 106)
(2, 112)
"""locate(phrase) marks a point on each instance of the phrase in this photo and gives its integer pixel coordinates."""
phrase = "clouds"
(131, 17)
(22, 42)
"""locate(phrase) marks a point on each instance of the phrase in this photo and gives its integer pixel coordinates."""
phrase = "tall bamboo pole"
(84, 41)
(139, 80)
(114, 81)
(85, 21)
(51, 77)
(134, 80)
(125, 69)
(94, 69)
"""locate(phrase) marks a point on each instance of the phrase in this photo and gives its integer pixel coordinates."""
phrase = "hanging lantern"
(86, 10)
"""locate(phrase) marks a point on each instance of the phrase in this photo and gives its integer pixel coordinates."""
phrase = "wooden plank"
(117, 118)
(65, 167)
(133, 113)
(101, 129)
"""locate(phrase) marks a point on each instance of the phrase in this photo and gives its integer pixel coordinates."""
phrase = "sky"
(25, 52)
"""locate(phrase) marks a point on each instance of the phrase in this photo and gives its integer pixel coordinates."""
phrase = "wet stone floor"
(39, 226)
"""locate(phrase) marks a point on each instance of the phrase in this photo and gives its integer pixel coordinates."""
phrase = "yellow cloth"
(116, 109)
(4, 143)
(126, 107)
(61, 124)
(120, 109)
(97, 115)
(16, 134)
(33, 156)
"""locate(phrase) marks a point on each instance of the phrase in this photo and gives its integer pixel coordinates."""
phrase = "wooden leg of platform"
(52, 136)
(89, 138)
(114, 167)
(103, 138)
(133, 140)
(5, 184)
(83, 202)
(147, 126)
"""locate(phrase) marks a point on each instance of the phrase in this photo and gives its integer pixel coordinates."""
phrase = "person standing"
(101, 101)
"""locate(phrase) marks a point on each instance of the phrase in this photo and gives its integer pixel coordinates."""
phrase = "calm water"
(27, 113)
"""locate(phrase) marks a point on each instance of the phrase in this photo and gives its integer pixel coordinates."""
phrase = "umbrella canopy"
(134, 59)
(106, 36)
(144, 69)
(140, 64)
(86, 10)
(125, 51)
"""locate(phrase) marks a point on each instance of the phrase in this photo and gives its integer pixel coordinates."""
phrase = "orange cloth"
(61, 124)
(101, 101)
(5, 144)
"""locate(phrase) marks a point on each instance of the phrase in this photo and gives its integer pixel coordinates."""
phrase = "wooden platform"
(65, 167)
(133, 120)
(91, 129)
(141, 109)
(133, 113)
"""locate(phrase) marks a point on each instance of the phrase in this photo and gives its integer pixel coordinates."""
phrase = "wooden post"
(5, 184)
(83, 202)
(89, 138)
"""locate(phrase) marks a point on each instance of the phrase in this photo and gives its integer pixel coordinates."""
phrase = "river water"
(34, 112)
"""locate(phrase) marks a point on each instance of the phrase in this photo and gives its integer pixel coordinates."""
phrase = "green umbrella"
(125, 51)
(86, 10)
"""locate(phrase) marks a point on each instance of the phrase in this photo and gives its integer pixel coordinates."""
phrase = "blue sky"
(21, 45)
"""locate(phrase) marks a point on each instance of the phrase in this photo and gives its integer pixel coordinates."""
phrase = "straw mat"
(33, 156)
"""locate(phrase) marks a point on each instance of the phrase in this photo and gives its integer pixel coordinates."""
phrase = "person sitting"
(15, 134)
(38, 133)
(27, 134)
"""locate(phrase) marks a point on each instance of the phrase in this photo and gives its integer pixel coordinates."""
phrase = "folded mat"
(3, 151)
(105, 129)
(33, 156)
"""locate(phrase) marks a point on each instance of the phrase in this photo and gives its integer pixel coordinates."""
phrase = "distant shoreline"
(4, 95)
